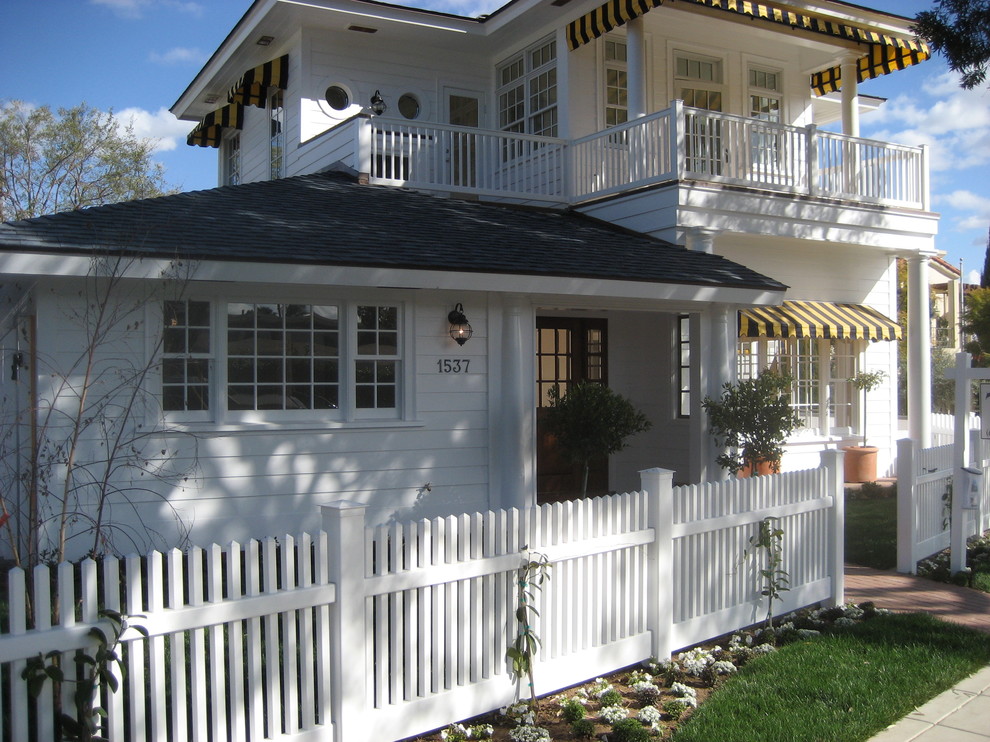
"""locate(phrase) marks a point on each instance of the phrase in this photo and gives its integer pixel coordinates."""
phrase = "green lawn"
(871, 532)
(842, 687)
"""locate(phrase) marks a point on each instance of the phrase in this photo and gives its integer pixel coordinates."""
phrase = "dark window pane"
(174, 313)
(298, 344)
(240, 315)
(270, 398)
(199, 340)
(388, 318)
(240, 397)
(198, 398)
(325, 397)
(298, 398)
(386, 372)
(325, 344)
(172, 398)
(173, 370)
(270, 371)
(198, 369)
(364, 372)
(174, 340)
(386, 397)
(199, 314)
(298, 370)
(367, 317)
(240, 342)
(367, 343)
(325, 371)
(388, 343)
(240, 371)
(365, 397)
(270, 343)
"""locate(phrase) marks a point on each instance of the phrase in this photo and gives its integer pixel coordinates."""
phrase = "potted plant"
(591, 420)
(861, 461)
(752, 420)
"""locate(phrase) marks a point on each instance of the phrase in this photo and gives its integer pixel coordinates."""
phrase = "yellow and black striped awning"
(817, 319)
(886, 53)
(252, 88)
(209, 131)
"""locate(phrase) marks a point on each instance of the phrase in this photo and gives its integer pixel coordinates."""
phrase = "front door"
(568, 350)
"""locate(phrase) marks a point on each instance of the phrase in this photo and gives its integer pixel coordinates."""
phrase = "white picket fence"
(381, 633)
(924, 505)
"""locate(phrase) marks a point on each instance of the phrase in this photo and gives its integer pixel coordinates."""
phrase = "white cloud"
(177, 55)
(125, 8)
(974, 277)
(159, 125)
(970, 211)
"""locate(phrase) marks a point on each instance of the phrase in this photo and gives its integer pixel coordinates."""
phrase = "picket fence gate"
(379, 633)
(924, 504)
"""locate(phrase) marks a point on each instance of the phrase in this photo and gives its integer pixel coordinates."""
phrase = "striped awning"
(817, 319)
(886, 53)
(252, 88)
(209, 131)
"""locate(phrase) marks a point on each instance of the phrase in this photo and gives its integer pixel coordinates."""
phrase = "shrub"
(629, 730)
(572, 710)
(583, 728)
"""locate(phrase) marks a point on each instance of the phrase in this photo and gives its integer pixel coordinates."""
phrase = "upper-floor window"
(616, 83)
(276, 114)
(699, 81)
(227, 359)
(764, 95)
(527, 91)
(231, 154)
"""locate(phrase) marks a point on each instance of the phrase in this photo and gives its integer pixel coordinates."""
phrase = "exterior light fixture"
(460, 328)
(378, 106)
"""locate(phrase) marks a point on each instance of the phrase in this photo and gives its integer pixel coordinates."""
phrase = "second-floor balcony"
(676, 144)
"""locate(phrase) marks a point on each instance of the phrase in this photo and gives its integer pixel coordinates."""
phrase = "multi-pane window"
(699, 82)
(186, 356)
(343, 358)
(232, 158)
(276, 114)
(684, 365)
(283, 357)
(376, 365)
(527, 91)
(764, 95)
(821, 392)
(616, 83)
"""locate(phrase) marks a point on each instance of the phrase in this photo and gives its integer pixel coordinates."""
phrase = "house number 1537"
(453, 365)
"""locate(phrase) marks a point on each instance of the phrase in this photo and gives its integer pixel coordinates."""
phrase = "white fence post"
(831, 461)
(344, 524)
(658, 484)
(907, 511)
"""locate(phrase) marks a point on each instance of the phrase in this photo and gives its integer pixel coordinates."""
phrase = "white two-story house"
(639, 193)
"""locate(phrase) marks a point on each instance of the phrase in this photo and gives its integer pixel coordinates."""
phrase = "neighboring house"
(665, 215)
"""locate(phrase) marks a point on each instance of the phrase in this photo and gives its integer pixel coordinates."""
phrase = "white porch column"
(850, 96)
(513, 409)
(700, 239)
(636, 67)
(919, 353)
(718, 359)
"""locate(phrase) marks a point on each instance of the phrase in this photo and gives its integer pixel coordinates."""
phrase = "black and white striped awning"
(252, 88)
(885, 54)
(817, 319)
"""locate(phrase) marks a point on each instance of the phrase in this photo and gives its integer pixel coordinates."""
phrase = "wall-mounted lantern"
(460, 328)
(378, 106)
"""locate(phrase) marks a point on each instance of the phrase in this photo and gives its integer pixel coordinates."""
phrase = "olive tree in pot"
(751, 420)
(591, 420)
(861, 461)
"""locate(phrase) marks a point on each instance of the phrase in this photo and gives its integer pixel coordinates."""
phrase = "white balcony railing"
(679, 143)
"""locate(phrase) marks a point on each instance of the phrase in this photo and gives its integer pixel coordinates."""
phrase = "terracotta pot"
(762, 469)
(860, 464)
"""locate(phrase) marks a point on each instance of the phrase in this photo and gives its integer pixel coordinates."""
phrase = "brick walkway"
(909, 594)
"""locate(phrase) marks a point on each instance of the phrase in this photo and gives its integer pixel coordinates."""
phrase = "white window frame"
(823, 396)
(347, 410)
(231, 153)
(621, 68)
(519, 93)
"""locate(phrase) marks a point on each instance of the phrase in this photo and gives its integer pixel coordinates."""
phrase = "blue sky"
(137, 56)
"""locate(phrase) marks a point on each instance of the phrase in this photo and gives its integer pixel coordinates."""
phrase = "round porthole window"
(337, 98)
(409, 106)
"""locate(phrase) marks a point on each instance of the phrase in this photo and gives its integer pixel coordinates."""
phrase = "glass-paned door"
(568, 351)
(463, 109)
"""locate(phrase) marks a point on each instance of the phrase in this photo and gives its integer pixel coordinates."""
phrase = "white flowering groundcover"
(655, 697)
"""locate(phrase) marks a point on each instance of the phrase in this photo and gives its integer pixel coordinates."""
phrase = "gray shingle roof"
(330, 219)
